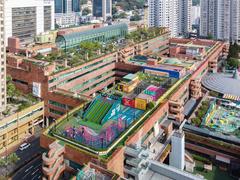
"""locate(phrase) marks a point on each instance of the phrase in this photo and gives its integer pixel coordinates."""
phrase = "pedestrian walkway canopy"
(101, 35)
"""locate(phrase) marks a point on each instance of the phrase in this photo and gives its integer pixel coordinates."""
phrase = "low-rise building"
(101, 129)
(18, 122)
(62, 84)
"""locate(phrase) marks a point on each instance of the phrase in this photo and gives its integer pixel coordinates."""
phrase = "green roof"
(130, 77)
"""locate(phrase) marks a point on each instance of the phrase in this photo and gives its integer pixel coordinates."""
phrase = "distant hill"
(130, 4)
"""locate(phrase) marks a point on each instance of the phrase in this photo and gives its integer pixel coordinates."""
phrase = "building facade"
(2, 60)
(67, 6)
(26, 19)
(220, 19)
(18, 127)
(174, 14)
(102, 9)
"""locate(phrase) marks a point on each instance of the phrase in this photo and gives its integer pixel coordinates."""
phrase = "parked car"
(24, 146)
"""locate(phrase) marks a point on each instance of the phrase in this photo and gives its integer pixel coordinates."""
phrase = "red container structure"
(128, 102)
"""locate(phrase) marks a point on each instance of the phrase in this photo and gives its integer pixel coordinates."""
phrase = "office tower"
(220, 19)
(67, 6)
(102, 8)
(175, 14)
(178, 150)
(26, 19)
(76, 5)
(2, 60)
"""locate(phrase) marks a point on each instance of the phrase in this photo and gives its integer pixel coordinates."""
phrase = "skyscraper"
(220, 19)
(175, 14)
(102, 8)
(2, 60)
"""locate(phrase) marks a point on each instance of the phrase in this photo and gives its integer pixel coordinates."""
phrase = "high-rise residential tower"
(175, 14)
(2, 59)
(220, 19)
(26, 19)
(102, 8)
(185, 11)
(177, 154)
(195, 15)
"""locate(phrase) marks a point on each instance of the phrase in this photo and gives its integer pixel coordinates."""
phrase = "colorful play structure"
(102, 122)
(108, 115)
(222, 116)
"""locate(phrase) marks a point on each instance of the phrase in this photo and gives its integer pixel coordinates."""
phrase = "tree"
(135, 17)
(86, 11)
(13, 158)
(11, 89)
(234, 63)
(195, 2)
(114, 10)
(2, 162)
(83, 2)
(89, 47)
(234, 49)
(210, 36)
(120, 16)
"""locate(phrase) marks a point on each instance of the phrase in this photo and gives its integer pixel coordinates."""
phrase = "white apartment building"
(27, 18)
(195, 15)
(177, 155)
(185, 11)
(3, 100)
(174, 14)
(220, 19)
(64, 20)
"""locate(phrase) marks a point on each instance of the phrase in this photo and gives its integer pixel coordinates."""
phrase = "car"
(24, 146)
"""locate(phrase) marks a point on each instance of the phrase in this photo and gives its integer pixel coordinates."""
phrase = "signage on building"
(36, 89)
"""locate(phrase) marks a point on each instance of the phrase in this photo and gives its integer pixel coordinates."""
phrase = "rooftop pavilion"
(225, 84)
(102, 124)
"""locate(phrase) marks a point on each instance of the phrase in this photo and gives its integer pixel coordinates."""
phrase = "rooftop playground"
(223, 116)
(105, 122)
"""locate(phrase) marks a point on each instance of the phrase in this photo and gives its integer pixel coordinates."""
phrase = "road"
(32, 171)
(25, 156)
(30, 152)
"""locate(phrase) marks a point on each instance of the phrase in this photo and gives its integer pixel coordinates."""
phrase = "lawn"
(215, 174)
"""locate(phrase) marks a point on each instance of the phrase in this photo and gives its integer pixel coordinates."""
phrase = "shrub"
(201, 158)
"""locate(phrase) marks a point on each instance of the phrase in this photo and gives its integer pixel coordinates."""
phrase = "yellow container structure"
(140, 103)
